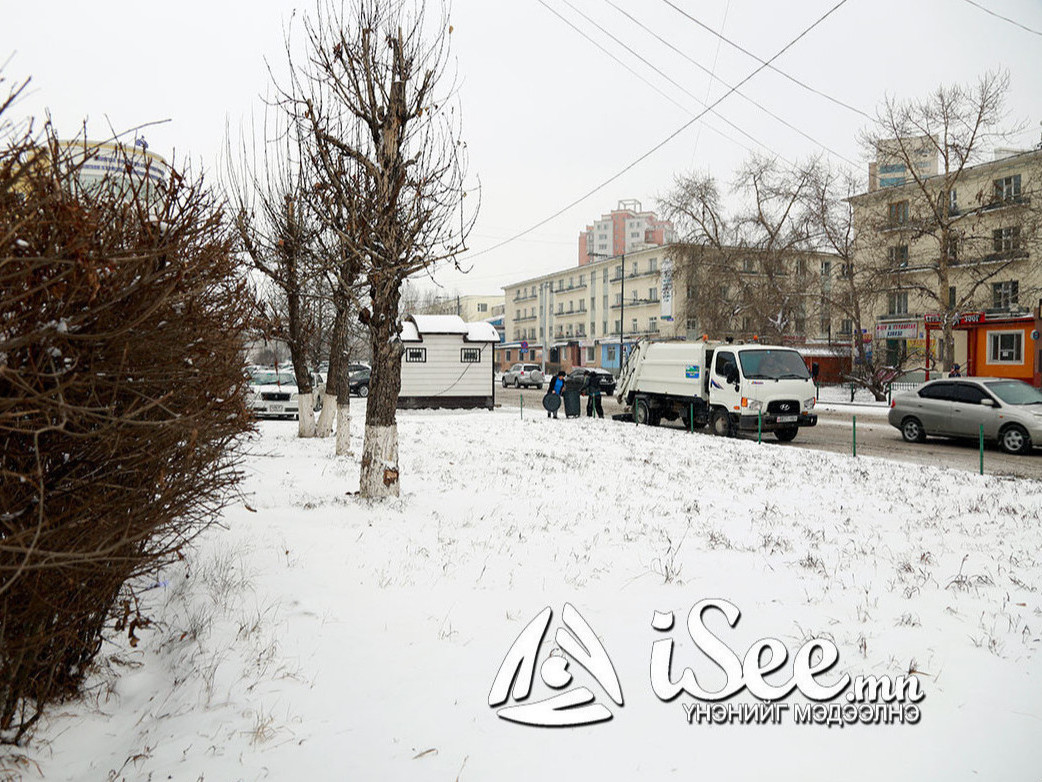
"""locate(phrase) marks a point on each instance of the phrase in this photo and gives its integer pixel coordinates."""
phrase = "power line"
(714, 77)
(780, 72)
(1004, 18)
(666, 140)
(660, 73)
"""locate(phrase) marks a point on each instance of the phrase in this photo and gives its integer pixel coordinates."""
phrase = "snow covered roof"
(415, 326)
(439, 324)
(482, 332)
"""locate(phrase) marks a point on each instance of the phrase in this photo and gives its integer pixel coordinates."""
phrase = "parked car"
(604, 377)
(1009, 410)
(273, 393)
(523, 375)
(358, 382)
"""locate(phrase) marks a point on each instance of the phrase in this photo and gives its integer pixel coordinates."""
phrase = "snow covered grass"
(318, 636)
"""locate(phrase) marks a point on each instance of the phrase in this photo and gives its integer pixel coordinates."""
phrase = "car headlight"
(755, 405)
(809, 403)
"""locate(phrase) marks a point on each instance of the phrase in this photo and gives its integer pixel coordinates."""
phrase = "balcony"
(525, 319)
(530, 297)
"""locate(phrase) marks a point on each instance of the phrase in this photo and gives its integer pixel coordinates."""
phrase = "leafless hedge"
(121, 403)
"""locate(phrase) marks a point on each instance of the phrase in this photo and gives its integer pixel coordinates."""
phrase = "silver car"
(523, 375)
(1009, 410)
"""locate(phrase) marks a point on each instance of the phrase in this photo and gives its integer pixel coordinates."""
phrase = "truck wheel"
(721, 423)
(644, 412)
(788, 434)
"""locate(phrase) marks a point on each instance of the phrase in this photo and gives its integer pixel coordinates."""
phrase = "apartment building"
(583, 315)
(961, 246)
(471, 308)
(626, 229)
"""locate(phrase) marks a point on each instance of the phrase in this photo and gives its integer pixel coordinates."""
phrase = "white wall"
(443, 374)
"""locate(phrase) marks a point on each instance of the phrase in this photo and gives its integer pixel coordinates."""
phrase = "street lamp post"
(622, 315)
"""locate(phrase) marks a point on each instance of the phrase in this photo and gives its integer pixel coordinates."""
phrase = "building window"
(618, 326)
(953, 202)
(1005, 347)
(898, 256)
(633, 297)
(652, 294)
(1006, 240)
(1007, 188)
(604, 327)
(634, 325)
(470, 355)
(897, 303)
(604, 276)
(846, 327)
(801, 267)
(482, 306)
(611, 354)
(593, 327)
(897, 213)
(749, 265)
(951, 297)
(826, 268)
(653, 325)
(1004, 295)
(653, 264)
(415, 355)
(591, 353)
(508, 355)
(846, 270)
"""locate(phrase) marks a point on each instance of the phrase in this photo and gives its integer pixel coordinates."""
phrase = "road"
(834, 432)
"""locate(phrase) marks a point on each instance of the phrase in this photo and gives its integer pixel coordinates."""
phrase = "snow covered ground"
(317, 636)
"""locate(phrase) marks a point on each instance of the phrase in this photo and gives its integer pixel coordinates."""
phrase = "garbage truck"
(732, 388)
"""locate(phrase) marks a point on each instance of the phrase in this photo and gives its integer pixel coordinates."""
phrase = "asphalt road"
(834, 432)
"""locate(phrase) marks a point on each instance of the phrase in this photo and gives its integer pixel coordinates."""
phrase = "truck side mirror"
(732, 375)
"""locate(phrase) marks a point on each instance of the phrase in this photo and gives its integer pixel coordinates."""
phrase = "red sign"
(964, 319)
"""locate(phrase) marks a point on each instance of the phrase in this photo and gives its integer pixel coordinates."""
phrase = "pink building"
(624, 230)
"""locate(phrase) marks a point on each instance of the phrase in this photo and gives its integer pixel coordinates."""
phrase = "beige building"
(471, 308)
(580, 315)
(962, 246)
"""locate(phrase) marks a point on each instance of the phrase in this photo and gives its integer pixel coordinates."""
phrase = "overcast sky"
(548, 114)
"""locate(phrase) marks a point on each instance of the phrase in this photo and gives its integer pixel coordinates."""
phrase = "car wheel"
(1015, 439)
(721, 423)
(786, 435)
(363, 391)
(540, 386)
(912, 431)
(517, 382)
(504, 382)
(643, 412)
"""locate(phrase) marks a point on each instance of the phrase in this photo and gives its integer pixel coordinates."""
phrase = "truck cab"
(761, 387)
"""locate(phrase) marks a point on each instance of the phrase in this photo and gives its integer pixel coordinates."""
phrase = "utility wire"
(714, 77)
(780, 72)
(1004, 18)
(660, 73)
(667, 139)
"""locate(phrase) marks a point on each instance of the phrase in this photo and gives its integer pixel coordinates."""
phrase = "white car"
(523, 375)
(274, 394)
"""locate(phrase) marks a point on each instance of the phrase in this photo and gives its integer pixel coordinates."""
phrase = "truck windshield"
(772, 364)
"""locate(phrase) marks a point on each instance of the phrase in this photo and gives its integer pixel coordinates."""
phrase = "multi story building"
(961, 247)
(471, 308)
(624, 230)
(581, 316)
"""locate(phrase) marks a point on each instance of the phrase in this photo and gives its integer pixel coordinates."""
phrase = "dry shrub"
(121, 403)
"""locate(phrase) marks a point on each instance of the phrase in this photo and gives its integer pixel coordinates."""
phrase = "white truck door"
(724, 381)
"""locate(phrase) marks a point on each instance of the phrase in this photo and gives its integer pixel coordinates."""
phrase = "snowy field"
(318, 637)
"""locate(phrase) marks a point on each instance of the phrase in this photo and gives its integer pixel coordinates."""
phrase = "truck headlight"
(809, 404)
(754, 405)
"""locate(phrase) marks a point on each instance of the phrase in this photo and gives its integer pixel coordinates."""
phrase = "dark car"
(603, 376)
(358, 382)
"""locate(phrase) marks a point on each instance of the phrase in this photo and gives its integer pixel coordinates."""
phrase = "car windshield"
(271, 378)
(1015, 392)
(772, 364)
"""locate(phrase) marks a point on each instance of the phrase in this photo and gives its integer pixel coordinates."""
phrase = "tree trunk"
(379, 475)
(305, 399)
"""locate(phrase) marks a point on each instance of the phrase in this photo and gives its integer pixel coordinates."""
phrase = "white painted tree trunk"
(380, 462)
(306, 415)
(327, 415)
(343, 430)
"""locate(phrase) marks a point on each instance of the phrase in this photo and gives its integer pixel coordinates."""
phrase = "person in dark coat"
(556, 389)
(956, 372)
(593, 395)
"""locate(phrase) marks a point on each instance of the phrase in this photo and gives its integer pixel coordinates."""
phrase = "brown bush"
(121, 404)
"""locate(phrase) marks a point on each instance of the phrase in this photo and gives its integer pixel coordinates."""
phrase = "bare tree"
(376, 99)
(270, 191)
(744, 268)
(938, 217)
